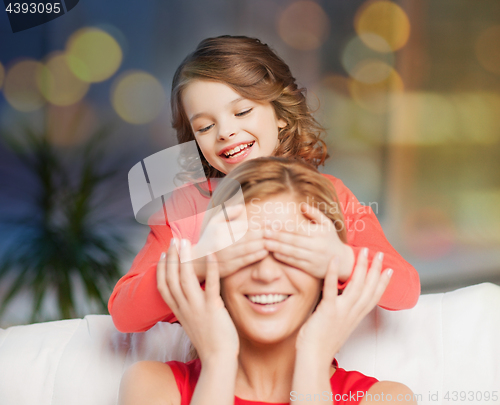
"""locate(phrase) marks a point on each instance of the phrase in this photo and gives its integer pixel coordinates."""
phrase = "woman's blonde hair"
(254, 71)
(266, 177)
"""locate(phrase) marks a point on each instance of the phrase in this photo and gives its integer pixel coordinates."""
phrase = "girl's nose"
(267, 269)
(226, 130)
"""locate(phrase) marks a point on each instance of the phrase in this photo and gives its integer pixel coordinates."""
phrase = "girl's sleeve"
(135, 304)
(364, 230)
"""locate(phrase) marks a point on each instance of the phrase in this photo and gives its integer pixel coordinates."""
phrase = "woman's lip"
(239, 158)
(267, 308)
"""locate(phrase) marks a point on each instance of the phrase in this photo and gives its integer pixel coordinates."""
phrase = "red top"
(348, 387)
(136, 305)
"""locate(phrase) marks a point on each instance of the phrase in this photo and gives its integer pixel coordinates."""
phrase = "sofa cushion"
(448, 342)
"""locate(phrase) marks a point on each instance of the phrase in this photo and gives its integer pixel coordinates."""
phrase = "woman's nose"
(267, 269)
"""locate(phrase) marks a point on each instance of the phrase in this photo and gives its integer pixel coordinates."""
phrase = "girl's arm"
(135, 303)
(363, 229)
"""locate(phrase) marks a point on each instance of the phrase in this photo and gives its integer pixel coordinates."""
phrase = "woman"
(267, 333)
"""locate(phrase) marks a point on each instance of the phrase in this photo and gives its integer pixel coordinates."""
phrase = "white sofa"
(449, 343)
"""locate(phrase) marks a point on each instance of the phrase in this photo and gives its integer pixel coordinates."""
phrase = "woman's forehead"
(281, 212)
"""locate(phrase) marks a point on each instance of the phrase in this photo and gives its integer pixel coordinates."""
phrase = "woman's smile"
(267, 303)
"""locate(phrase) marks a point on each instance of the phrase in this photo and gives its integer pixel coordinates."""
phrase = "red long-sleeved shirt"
(136, 305)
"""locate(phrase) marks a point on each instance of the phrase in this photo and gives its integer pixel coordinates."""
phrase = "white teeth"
(237, 149)
(268, 298)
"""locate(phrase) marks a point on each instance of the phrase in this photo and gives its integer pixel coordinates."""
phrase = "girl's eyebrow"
(228, 104)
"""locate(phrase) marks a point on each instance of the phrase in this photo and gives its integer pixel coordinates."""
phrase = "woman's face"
(269, 301)
(222, 120)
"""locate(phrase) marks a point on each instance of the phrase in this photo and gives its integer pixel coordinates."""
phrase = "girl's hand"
(311, 247)
(248, 248)
(201, 313)
(336, 316)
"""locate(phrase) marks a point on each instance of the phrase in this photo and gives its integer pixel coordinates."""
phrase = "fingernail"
(365, 252)
(163, 256)
(380, 256)
(172, 242)
(336, 260)
(389, 272)
(183, 243)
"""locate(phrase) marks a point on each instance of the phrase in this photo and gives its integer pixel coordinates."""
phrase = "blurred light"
(377, 97)
(20, 88)
(478, 215)
(371, 71)
(358, 59)
(386, 20)
(488, 49)
(477, 116)
(137, 97)
(434, 119)
(423, 119)
(429, 232)
(117, 34)
(337, 84)
(70, 125)
(93, 55)
(304, 25)
(2, 75)
(57, 82)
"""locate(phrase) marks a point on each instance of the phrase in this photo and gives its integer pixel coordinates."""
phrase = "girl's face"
(229, 129)
(269, 301)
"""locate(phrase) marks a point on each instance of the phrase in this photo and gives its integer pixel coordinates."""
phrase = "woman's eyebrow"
(228, 104)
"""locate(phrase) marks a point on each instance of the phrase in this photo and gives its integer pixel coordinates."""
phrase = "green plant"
(64, 236)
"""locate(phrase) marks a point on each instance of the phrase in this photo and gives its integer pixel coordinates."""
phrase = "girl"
(273, 335)
(239, 101)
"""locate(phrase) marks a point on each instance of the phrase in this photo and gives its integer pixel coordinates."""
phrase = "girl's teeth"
(237, 149)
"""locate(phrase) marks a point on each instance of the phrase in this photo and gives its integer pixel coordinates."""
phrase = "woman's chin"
(267, 333)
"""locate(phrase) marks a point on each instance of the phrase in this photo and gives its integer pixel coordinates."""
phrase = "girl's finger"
(249, 258)
(284, 248)
(295, 239)
(314, 214)
(298, 263)
(212, 280)
(330, 291)
(233, 211)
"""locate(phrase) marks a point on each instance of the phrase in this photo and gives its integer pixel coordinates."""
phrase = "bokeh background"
(409, 92)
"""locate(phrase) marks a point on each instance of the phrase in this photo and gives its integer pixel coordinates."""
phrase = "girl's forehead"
(204, 96)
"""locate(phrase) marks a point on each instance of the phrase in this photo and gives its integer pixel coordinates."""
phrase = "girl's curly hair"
(254, 71)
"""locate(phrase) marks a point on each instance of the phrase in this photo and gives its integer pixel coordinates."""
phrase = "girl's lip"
(267, 308)
(240, 157)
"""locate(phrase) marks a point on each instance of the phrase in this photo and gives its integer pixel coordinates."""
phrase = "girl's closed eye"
(241, 114)
(205, 129)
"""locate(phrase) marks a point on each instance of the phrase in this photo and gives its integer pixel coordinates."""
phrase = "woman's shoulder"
(149, 381)
(351, 383)
(186, 376)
